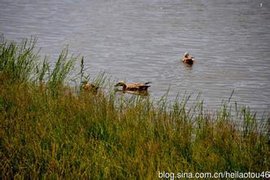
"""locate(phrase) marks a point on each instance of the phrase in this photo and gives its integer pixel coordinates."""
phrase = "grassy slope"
(46, 130)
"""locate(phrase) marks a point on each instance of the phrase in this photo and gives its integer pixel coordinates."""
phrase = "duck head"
(186, 54)
(121, 83)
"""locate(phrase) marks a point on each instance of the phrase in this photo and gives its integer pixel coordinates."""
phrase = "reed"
(46, 132)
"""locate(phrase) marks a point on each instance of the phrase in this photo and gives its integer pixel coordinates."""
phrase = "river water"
(144, 40)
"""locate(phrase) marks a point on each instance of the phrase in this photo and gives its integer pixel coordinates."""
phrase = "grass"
(48, 131)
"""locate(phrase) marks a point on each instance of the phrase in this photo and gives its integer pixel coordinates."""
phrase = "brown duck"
(139, 87)
(188, 59)
(89, 87)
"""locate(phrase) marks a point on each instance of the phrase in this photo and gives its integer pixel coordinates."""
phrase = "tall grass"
(48, 133)
(17, 61)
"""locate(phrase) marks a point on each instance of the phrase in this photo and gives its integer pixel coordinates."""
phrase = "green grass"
(48, 131)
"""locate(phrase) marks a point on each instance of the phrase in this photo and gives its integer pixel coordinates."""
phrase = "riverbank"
(47, 130)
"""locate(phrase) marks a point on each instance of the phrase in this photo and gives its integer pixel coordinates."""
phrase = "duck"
(89, 87)
(188, 59)
(138, 87)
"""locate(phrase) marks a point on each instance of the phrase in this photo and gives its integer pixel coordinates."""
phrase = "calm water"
(144, 40)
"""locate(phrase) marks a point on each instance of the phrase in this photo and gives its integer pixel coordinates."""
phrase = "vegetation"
(51, 130)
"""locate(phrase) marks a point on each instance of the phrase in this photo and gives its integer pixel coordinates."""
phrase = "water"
(144, 40)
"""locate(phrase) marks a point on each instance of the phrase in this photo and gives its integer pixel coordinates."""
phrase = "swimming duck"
(140, 87)
(188, 59)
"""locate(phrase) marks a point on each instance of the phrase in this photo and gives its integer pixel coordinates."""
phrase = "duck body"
(140, 87)
(188, 59)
